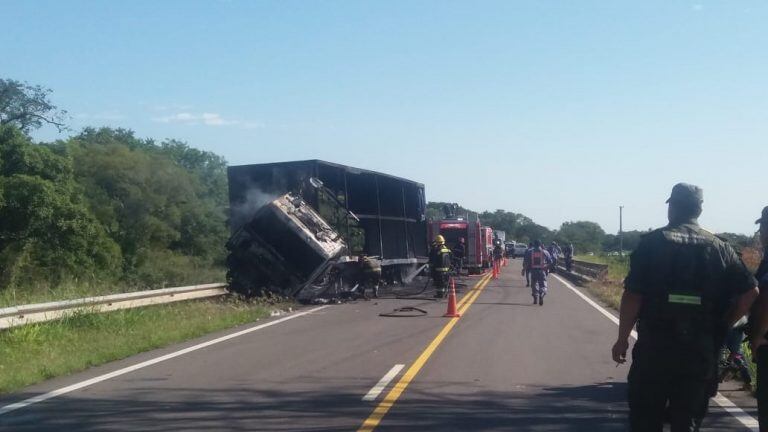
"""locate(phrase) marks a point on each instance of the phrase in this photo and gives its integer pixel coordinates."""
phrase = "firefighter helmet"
(440, 239)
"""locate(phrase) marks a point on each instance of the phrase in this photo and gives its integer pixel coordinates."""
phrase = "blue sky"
(559, 110)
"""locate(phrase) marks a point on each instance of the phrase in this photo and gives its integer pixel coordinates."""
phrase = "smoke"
(412, 271)
(255, 199)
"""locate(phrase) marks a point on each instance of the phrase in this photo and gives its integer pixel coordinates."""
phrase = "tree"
(150, 204)
(612, 243)
(517, 226)
(46, 231)
(28, 107)
(585, 236)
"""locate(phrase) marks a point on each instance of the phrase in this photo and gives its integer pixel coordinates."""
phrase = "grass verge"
(42, 292)
(610, 289)
(36, 352)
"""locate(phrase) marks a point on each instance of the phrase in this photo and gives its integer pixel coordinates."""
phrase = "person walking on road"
(536, 261)
(685, 289)
(759, 325)
(568, 257)
(526, 270)
(440, 265)
(554, 252)
(498, 253)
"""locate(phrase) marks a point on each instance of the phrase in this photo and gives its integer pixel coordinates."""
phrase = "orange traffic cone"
(452, 313)
(495, 269)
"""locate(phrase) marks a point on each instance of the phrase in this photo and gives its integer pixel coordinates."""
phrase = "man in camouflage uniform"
(536, 262)
(684, 289)
(759, 323)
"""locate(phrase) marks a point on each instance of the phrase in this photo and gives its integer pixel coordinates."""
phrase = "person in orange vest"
(536, 261)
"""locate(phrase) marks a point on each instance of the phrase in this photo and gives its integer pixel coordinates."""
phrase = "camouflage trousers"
(538, 283)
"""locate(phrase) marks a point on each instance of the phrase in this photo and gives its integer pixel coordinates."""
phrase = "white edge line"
(383, 382)
(64, 390)
(742, 416)
(745, 419)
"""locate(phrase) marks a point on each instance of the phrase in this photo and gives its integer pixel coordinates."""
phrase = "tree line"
(586, 236)
(103, 205)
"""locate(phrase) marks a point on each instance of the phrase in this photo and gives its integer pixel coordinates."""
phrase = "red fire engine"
(478, 239)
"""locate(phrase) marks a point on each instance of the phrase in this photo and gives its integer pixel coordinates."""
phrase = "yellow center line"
(389, 400)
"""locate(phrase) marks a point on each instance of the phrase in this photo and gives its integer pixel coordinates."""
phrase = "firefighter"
(370, 275)
(536, 261)
(440, 265)
(459, 251)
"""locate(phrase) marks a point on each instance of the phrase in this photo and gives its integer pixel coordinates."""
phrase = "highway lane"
(505, 365)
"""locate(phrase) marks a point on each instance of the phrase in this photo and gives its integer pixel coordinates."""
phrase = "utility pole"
(621, 231)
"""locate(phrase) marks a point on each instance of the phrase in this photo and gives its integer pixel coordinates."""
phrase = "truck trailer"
(371, 213)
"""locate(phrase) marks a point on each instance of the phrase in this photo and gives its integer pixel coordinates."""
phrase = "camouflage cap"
(684, 192)
(763, 217)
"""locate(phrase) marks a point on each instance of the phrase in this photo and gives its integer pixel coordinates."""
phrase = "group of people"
(685, 291)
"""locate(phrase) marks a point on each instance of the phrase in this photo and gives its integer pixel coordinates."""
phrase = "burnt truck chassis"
(297, 227)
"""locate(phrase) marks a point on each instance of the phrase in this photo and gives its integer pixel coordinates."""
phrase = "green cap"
(763, 217)
(684, 192)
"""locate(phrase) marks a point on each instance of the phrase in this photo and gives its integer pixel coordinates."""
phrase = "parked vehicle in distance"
(520, 249)
(509, 249)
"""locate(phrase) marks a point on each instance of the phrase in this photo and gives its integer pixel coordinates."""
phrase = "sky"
(559, 110)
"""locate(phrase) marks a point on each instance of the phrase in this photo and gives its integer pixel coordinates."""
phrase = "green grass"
(36, 352)
(42, 292)
(610, 289)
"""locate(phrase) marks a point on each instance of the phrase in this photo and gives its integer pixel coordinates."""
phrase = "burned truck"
(296, 224)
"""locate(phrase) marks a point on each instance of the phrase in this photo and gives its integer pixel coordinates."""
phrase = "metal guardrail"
(40, 312)
(594, 271)
(583, 271)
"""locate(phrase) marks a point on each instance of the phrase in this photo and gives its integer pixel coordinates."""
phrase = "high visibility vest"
(538, 261)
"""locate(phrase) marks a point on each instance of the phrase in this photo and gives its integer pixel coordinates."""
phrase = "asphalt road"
(504, 365)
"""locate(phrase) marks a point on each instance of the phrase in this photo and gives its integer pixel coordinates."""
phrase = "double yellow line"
(389, 400)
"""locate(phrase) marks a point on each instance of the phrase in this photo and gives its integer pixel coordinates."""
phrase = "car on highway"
(519, 250)
(509, 249)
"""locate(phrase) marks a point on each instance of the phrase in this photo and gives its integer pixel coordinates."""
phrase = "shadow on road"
(587, 408)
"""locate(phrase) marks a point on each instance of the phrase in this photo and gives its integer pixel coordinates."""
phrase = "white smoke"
(255, 199)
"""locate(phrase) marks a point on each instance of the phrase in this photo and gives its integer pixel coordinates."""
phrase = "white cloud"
(207, 119)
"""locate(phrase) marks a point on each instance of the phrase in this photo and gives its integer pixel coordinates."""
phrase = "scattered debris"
(405, 312)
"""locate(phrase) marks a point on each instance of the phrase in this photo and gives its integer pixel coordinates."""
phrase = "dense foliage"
(105, 205)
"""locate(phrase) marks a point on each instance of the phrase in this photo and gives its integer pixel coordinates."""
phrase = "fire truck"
(478, 239)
